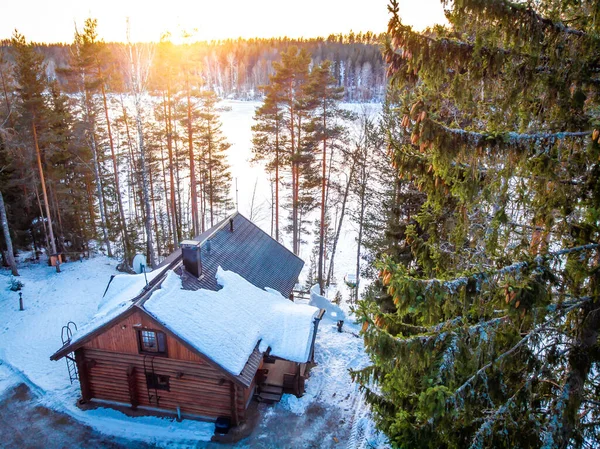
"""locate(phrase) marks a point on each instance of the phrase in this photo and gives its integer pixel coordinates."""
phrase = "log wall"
(116, 371)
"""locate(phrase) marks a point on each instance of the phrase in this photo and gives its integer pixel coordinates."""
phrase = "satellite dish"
(139, 263)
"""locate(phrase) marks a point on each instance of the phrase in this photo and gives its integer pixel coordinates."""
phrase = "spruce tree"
(32, 113)
(492, 340)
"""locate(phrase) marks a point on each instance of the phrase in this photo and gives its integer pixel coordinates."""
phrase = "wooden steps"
(269, 394)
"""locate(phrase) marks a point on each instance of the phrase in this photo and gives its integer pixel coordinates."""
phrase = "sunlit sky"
(54, 21)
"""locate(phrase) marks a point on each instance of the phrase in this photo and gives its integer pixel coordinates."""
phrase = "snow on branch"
(452, 285)
(521, 141)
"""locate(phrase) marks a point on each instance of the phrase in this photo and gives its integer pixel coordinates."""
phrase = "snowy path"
(330, 414)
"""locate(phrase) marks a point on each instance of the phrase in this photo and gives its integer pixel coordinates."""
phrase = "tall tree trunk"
(363, 189)
(45, 225)
(132, 165)
(100, 192)
(175, 220)
(179, 204)
(210, 176)
(6, 100)
(44, 192)
(340, 223)
(193, 192)
(122, 222)
(145, 187)
(10, 255)
(276, 179)
(322, 224)
(294, 183)
(170, 226)
(154, 210)
(58, 216)
(137, 93)
(90, 201)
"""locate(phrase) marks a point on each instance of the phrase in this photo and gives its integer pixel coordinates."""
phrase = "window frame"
(158, 382)
(158, 336)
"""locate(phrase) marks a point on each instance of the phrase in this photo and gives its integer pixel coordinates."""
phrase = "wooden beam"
(132, 385)
(234, 410)
(84, 381)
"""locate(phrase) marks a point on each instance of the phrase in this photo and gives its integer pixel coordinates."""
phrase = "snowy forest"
(100, 140)
(472, 194)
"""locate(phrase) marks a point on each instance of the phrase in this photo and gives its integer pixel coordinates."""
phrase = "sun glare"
(209, 20)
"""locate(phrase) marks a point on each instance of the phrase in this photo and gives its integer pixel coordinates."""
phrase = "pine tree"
(327, 128)
(493, 334)
(269, 142)
(291, 75)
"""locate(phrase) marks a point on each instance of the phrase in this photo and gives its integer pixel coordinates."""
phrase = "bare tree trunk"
(294, 184)
(340, 223)
(6, 100)
(44, 192)
(154, 210)
(54, 201)
(323, 205)
(100, 193)
(272, 208)
(145, 189)
(193, 191)
(137, 92)
(122, 223)
(37, 196)
(171, 230)
(90, 198)
(276, 178)
(10, 255)
(360, 234)
(175, 221)
(210, 177)
(179, 206)
(252, 202)
(133, 172)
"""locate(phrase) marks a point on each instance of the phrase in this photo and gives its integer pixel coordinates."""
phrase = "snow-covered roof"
(227, 325)
(119, 295)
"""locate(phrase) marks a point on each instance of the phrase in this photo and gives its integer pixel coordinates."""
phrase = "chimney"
(231, 225)
(190, 250)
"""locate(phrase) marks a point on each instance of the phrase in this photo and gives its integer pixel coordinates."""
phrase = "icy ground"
(331, 414)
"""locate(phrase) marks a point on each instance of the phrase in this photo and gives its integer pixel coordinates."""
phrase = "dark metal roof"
(249, 252)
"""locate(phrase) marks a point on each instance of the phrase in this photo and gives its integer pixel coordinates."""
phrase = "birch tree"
(140, 61)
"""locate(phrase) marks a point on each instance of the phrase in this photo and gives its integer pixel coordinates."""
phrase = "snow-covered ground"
(330, 414)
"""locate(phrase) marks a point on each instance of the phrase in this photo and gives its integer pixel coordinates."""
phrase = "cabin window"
(152, 341)
(157, 381)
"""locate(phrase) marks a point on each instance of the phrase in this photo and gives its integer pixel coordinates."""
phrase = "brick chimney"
(190, 250)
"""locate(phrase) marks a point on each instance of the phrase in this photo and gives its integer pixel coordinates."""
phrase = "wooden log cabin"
(203, 334)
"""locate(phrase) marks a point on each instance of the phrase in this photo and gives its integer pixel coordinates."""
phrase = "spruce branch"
(499, 9)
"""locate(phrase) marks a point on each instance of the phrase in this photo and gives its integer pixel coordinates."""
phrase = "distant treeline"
(236, 68)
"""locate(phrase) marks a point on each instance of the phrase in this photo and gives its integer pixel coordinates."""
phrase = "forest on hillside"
(237, 68)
